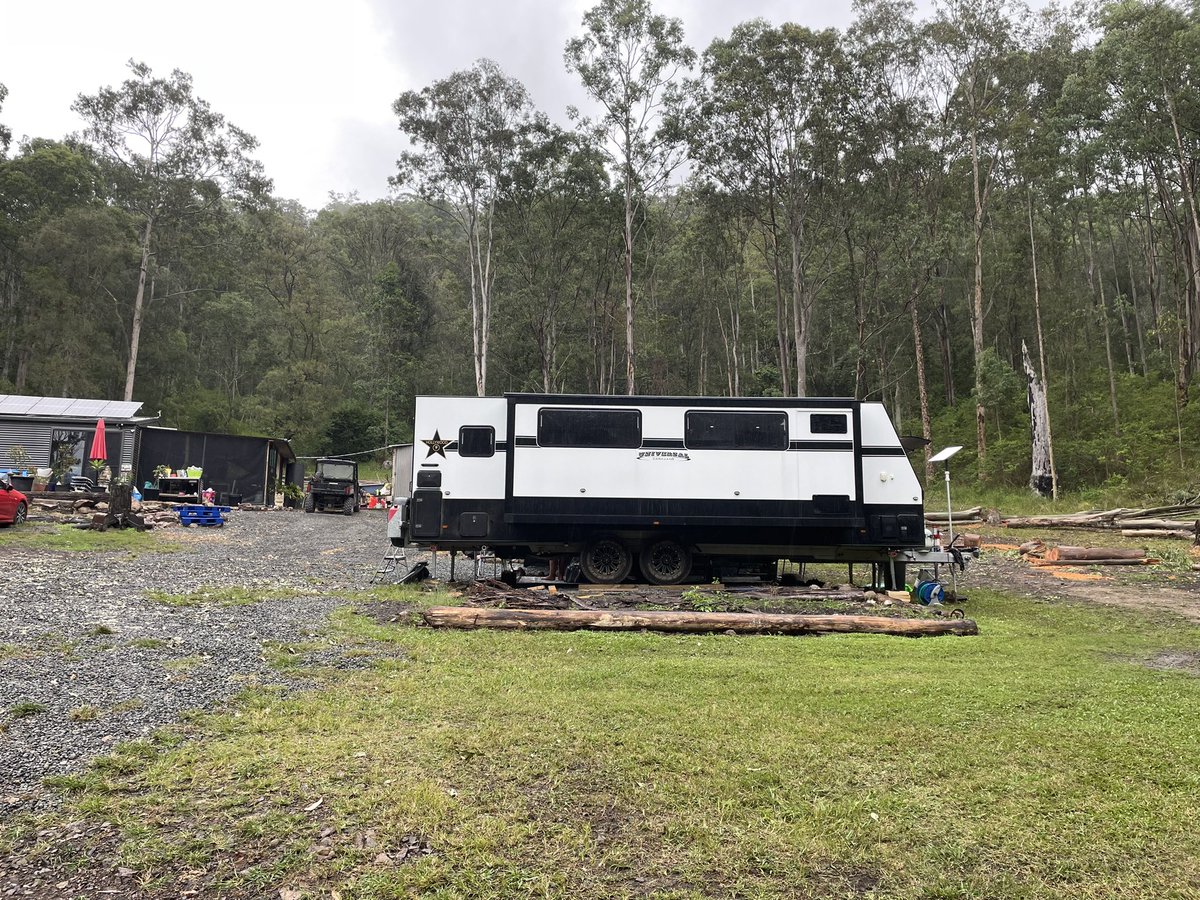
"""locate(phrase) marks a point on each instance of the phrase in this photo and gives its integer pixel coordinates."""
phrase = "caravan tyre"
(665, 562)
(606, 560)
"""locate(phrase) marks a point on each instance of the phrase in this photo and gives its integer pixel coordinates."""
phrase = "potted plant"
(21, 474)
(59, 470)
(293, 496)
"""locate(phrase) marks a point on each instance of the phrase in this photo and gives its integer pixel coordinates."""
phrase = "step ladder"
(395, 558)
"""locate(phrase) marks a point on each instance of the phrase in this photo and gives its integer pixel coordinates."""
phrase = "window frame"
(828, 417)
(491, 429)
(782, 442)
(627, 444)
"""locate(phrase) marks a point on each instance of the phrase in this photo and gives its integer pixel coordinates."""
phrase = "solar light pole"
(943, 456)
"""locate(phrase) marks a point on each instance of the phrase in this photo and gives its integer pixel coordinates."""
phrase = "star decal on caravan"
(436, 445)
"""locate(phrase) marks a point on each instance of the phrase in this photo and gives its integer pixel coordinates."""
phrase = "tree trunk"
(1045, 384)
(139, 305)
(1041, 475)
(1096, 283)
(922, 390)
(977, 317)
(630, 373)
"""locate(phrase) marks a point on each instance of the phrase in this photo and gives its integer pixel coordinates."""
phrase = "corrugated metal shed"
(31, 422)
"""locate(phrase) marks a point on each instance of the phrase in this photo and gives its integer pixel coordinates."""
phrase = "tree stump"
(120, 499)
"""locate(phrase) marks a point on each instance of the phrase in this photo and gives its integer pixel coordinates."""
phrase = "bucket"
(928, 592)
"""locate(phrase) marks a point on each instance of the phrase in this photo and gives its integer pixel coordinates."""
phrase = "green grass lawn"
(67, 537)
(1040, 759)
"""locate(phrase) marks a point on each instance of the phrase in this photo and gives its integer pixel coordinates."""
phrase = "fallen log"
(1158, 533)
(1145, 561)
(939, 516)
(1063, 552)
(690, 622)
(1153, 523)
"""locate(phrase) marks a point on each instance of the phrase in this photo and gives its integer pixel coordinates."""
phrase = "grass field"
(1041, 759)
(67, 537)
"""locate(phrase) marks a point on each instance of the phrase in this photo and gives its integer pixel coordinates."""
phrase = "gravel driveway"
(87, 660)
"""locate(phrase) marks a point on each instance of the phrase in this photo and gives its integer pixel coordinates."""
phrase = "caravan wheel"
(606, 560)
(665, 562)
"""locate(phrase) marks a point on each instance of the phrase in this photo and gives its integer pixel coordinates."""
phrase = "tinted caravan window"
(827, 423)
(590, 428)
(477, 440)
(736, 430)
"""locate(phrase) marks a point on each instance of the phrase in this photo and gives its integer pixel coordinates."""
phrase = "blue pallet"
(207, 516)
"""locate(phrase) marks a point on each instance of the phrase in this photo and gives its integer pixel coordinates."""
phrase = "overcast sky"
(314, 82)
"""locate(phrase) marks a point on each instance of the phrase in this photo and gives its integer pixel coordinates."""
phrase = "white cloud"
(314, 82)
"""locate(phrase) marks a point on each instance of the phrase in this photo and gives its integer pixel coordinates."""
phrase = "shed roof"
(66, 407)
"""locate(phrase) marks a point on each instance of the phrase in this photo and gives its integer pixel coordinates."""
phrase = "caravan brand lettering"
(662, 454)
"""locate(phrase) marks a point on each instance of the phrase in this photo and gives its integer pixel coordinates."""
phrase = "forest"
(933, 211)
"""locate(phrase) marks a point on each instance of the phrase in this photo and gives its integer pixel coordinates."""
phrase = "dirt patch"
(387, 612)
(1155, 589)
(847, 880)
(1175, 661)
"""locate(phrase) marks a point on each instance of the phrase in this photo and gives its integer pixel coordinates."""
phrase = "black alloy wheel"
(665, 562)
(606, 560)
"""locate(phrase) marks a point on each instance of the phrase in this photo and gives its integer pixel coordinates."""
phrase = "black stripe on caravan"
(677, 444)
(685, 402)
(821, 445)
(501, 447)
(883, 451)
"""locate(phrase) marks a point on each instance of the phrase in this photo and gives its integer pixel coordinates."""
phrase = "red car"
(14, 506)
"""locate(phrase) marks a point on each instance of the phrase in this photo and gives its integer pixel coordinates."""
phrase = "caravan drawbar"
(660, 482)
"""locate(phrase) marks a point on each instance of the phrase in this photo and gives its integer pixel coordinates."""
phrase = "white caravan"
(669, 484)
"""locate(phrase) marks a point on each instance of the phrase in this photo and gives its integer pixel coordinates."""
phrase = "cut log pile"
(1040, 555)
(1157, 522)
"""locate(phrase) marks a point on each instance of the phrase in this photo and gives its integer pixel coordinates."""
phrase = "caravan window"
(590, 428)
(827, 423)
(736, 431)
(477, 440)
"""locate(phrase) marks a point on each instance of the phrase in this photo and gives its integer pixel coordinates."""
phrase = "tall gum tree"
(767, 126)
(466, 130)
(628, 58)
(179, 161)
(976, 44)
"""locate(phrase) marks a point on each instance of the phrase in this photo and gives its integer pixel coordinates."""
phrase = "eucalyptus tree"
(177, 159)
(628, 59)
(1145, 71)
(898, 174)
(770, 128)
(976, 46)
(466, 129)
(5, 132)
(62, 254)
(554, 210)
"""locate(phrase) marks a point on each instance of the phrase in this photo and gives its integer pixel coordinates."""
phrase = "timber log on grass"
(1094, 553)
(1159, 533)
(691, 622)
(1146, 561)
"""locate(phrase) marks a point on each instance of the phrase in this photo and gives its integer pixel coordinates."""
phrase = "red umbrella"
(98, 449)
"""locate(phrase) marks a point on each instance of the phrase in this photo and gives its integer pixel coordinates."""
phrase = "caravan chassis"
(664, 536)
